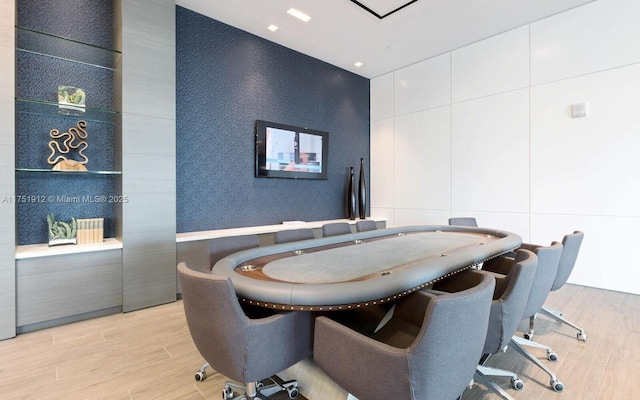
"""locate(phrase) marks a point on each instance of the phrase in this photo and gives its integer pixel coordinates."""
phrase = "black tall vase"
(362, 192)
(351, 196)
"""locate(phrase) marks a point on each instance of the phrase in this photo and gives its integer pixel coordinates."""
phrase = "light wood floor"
(149, 354)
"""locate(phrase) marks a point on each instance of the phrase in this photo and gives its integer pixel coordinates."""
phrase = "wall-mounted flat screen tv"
(285, 151)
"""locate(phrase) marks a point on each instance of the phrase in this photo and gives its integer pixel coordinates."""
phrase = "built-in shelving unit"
(62, 283)
(40, 58)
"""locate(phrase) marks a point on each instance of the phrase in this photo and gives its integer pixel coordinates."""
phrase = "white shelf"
(43, 250)
(255, 230)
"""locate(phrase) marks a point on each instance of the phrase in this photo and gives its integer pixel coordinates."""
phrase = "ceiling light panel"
(298, 14)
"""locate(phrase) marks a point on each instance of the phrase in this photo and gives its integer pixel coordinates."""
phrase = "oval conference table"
(360, 269)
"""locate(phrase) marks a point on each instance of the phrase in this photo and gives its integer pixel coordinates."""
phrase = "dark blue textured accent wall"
(227, 79)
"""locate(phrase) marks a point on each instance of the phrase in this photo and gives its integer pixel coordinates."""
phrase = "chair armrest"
(288, 334)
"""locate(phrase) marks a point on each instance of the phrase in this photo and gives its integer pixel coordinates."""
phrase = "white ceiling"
(342, 33)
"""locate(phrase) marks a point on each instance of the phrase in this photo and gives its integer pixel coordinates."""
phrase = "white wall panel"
(604, 260)
(422, 158)
(587, 165)
(422, 86)
(384, 213)
(518, 161)
(597, 36)
(381, 143)
(407, 216)
(381, 94)
(490, 153)
(494, 65)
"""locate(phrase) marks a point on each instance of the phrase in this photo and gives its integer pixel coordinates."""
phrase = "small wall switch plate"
(579, 110)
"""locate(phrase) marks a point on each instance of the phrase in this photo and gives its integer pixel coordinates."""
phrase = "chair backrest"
(335, 228)
(509, 299)
(293, 235)
(445, 354)
(463, 221)
(570, 247)
(218, 326)
(548, 258)
(366, 225)
(221, 247)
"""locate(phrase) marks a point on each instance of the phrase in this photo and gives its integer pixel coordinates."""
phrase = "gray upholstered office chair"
(336, 228)
(509, 299)
(293, 235)
(242, 348)
(221, 247)
(428, 350)
(570, 247)
(463, 221)
(366, 225)
(548, 258)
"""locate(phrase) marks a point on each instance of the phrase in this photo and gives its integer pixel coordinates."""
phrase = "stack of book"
(90, 230)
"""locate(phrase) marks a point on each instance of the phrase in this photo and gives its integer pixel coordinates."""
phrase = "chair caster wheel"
(291, 387)
(227, 393)
(557, 385)
(517, 383)
(582, 336)
(551, 356)
(200, 375)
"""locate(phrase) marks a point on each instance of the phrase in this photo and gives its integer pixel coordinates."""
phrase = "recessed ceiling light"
(358, 64)
(298, 14)
(272, 28)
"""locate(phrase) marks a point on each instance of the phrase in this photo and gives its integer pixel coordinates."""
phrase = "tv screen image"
(285, 151)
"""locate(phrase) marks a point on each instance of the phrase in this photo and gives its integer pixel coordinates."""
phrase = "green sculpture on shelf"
(61, 232)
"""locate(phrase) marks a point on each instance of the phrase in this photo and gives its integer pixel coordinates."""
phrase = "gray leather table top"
(355, 270)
